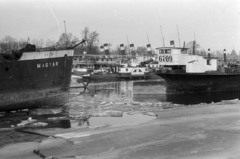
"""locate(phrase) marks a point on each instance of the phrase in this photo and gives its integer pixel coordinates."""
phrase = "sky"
(214, 24)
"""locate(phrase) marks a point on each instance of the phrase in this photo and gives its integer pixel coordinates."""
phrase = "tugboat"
(33, 77)
(190, 73)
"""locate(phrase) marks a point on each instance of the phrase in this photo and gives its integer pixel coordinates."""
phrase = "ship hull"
(34, 83)
(33, 99)
(177, 83)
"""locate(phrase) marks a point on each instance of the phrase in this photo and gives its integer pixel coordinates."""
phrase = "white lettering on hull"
(47, 64)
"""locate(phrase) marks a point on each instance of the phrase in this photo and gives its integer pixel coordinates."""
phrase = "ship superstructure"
(190, 73)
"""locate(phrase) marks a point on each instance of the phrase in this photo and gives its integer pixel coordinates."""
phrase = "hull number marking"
(165, 58)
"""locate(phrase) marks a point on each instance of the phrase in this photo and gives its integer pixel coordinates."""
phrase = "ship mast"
(65, 28)
(178, 37)
(66, 38)
(128, 46)
(194, 45)
(162, 37)
(163, 42)
(148, 38)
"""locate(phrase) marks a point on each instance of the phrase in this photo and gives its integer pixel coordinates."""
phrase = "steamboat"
(190, 73)
(33, 77)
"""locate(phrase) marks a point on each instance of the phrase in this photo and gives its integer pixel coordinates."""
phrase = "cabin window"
(135, 71)
(166, 51)
(126, 69)
(140, 70)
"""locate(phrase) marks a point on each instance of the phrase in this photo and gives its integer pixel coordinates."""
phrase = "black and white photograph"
(119, 79)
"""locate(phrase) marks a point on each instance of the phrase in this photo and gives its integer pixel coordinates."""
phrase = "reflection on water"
(132, 96)
(156, 91)
(126, 97)
(145, 91)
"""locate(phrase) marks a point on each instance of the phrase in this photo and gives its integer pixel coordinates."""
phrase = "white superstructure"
(176, 56)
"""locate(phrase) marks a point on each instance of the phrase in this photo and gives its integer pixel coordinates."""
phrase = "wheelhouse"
(176, 59)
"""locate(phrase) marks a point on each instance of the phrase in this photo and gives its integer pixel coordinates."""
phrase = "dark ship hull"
(200, 82)
(36, 79)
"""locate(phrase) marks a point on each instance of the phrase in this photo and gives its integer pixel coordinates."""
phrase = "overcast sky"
(216, 23)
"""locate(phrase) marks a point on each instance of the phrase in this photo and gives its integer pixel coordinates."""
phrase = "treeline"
(91, 46)
(231, 54)
(8, 43)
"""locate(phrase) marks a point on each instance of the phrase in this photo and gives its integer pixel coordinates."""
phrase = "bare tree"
(22, 43)
(8, 43)
(191, 47)
(141, 50)
(93, 39)
(85, 33)
(91, 44)
(50, 43)
(38, 43)
(203, 52)
(67, 39)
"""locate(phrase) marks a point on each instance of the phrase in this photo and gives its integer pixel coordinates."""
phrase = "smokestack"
(224, 55)
(149, 50)
(122, 48)
(106, 49)
(193, 47)
(208, 52)
(101, 49)
(172, 43)
(132, 49)
(208, 59)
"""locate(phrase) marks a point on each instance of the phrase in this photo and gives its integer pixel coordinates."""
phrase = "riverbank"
(201, 131)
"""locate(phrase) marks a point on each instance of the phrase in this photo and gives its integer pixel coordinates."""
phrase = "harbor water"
(105, 104)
